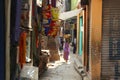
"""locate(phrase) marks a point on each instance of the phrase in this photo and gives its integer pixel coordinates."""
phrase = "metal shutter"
(110, 63)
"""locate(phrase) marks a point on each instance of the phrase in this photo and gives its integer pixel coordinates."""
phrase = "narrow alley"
(61, 70)
(60, 40)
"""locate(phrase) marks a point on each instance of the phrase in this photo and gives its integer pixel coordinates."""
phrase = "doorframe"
(81, 31)
(7, 38)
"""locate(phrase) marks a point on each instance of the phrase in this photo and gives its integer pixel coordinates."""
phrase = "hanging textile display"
(50, 26)
(24, 27)
(16, 38)
(22, 49)
(54, 25)
(46, 30)
(50, 18)
(17, 23)
(55, 13)
(46, 13)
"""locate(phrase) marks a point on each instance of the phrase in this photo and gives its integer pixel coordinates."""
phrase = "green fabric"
(73, 4)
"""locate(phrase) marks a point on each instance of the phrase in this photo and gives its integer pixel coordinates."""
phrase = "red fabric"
(47, 15)
(22, 48)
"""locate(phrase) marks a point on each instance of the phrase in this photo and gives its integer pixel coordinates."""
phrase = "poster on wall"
(114, 38)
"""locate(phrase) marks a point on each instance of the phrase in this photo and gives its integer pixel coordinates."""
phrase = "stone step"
(80, 69)
(78, 64)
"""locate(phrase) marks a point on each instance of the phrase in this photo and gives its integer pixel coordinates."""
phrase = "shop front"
(110, 40)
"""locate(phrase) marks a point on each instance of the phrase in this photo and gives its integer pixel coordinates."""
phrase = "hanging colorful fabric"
(53, 31)
(46, 14)
(55, 13)
(46, 21)
(54, 24)
(17, 22)
(47, 30)
(22, 48)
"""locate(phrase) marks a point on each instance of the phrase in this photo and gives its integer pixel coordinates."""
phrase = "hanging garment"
(17, 20)
(22, 48)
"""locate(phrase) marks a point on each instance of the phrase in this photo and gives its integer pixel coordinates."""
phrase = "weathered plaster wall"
(95, 39)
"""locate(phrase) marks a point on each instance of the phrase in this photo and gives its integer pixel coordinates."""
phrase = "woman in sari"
(66, 48)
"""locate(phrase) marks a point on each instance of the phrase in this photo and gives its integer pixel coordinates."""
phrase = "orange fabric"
(22, 48)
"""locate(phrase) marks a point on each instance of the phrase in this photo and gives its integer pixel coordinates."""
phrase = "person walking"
(74, 46)
(61, 44)
(66, 48)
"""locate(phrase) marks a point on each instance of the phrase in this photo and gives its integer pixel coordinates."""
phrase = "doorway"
(81, 36)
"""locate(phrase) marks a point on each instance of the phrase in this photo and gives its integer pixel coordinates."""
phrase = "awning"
(69, 14)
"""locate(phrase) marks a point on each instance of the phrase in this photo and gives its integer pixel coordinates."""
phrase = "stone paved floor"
(60, 70)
